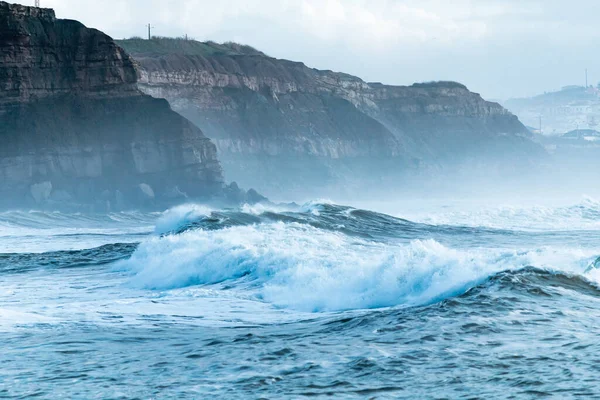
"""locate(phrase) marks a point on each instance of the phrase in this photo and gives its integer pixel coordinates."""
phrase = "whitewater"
(293, 301)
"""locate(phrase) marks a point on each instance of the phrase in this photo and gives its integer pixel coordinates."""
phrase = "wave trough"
(293, 301)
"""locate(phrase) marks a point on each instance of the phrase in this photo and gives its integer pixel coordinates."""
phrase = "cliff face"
(271, 117)
(76, 129)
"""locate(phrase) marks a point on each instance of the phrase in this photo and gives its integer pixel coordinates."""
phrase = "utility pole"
(150, 31)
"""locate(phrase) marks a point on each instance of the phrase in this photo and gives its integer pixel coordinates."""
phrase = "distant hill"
(572, 108)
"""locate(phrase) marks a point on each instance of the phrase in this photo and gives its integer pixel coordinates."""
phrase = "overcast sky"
(499, 48)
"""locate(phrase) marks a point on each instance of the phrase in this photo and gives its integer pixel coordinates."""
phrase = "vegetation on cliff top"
(166, 45)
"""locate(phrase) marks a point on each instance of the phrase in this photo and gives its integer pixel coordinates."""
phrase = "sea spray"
(178, 217)
(305, 268)
(342, 301)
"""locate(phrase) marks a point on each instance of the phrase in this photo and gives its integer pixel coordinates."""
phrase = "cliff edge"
(76, 130)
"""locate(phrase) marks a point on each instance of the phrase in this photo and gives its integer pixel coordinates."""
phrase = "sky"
(499, 48)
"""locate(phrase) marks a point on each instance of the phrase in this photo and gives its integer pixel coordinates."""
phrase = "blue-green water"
(313, 301)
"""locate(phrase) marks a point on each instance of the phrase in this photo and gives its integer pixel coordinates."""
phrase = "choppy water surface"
(287, 302)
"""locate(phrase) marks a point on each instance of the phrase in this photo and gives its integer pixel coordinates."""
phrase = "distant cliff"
(281, 125)
(76, 130)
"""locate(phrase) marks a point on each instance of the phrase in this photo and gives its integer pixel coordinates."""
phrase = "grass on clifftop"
(165, 45)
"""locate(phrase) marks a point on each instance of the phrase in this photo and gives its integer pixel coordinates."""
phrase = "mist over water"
(398, 242)
(553, 181)
(454, 298)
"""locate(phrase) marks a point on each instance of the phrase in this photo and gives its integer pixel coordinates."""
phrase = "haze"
(500, 49)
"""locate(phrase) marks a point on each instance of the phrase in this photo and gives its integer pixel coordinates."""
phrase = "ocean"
(317, 300)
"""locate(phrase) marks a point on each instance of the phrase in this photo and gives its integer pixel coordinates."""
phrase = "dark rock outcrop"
(281, 125)
(76, 130)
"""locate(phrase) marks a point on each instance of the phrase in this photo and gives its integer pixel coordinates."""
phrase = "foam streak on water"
(294, 301)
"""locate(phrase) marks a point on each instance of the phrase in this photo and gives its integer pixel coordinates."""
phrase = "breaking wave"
(324, 257)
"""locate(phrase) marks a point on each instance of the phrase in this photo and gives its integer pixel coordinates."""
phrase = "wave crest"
(306, 268)
(178, 217)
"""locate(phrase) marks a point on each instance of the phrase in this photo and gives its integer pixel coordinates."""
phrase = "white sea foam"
(261, 208)
(584, 215)
(308, 269)
(556, 215)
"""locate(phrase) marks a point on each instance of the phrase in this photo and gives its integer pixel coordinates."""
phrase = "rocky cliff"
(76, 130)
(279, 124)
